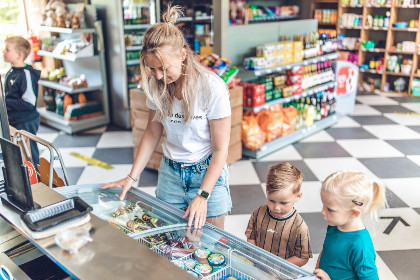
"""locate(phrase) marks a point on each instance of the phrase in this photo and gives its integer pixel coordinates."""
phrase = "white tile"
(287, 153)
(322, 167)
(370, 148)
(364, 110)
(99, 175)
(415, 159)
(346, 122)
(392, 132)
(404, 119)
(311, 200)
(408, 189)
(320, 136)
(242, 173)
(116, 139)
(412, 106)
(49, 137)
(310, 265)
(69, 160)
(376, 100)
(237, 224)
(401, 237)
(384, 272)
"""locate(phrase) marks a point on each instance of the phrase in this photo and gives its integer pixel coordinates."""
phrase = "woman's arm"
(148, 144)
(220, 135)
(297, 261)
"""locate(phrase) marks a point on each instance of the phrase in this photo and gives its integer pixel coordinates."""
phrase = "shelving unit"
(95, 71)
(389, 35)
(324, 4)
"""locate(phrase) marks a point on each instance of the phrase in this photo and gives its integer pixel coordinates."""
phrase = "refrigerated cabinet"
(156, 224)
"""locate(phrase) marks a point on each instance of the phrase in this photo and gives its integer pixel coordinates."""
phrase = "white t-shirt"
(191, 142)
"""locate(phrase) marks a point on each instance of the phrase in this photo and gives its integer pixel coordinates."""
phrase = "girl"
(348, 251)
(192, 105)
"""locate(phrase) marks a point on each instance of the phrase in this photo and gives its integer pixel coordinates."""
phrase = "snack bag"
(271, 122)
(252, 135)
(290, 115)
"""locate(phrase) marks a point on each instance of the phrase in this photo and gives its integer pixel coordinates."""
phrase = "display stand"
(93, 67)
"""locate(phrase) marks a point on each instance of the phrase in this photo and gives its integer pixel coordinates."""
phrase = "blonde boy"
(277, 227)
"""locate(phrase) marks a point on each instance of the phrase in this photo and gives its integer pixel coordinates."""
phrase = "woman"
(192, 104)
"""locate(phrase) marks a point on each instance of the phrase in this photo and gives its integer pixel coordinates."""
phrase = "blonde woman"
(192, 105)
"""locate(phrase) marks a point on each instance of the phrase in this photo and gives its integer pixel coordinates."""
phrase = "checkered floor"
(381, 138)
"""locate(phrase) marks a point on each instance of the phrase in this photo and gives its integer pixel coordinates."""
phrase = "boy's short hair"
(20, 44)
(282, 176)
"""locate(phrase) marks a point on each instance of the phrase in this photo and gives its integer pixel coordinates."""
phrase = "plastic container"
(400, 24)
(72, 239)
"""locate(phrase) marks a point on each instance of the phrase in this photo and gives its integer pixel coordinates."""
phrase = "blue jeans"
(178, 184)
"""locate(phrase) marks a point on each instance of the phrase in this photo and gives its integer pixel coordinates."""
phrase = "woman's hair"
(20, 44)
(282, 176)
(354, 189)
(166, 35)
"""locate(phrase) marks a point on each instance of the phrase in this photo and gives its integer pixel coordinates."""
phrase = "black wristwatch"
(203, 194)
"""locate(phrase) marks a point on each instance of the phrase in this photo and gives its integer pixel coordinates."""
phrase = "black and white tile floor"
(381, 138)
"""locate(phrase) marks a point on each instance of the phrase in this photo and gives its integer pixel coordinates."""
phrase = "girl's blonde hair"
(354, 189)
(166, 35)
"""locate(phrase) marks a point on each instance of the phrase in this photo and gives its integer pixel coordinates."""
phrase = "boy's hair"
(282, 176)
(354, 189)
(20, 44)
(167, 35)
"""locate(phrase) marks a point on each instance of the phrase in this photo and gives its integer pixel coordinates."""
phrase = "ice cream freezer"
(208, 254)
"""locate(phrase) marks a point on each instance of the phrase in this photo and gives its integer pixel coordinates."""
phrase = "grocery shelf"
(183, 19)
(68, 57)
(66, 30)
(352, 6)
(133, 62)
(133, 48)
(58, 121)
(401, 52)
(347, 49)
(378, 6)
(136, 26)
(269, 19)
(373, 71)
(408, 6)
(350, 27)
(404, 29)
(376, 28)
(283, 141)
(377, 50)
(291, 98)
(67, 89)
(204, 18)
(398, 74)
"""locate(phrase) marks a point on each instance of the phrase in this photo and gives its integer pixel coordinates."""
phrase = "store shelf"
(378, 6)
(372, 71)
(400, 52)
(184, 19)
(346, 49)
(270, 19)
(291, 98)
(267, 71)
(326, 24)
(375, 28)
(133, 48)
(66, 30)
(375, 50)
(352, 6)
(398, 74)
(407, 6)
(404, 29)
(350, 27)
(136, 26)
(133, 62)
(57, 121)
(67, 89)
(283, 141)
(204, 18)
(68, 57)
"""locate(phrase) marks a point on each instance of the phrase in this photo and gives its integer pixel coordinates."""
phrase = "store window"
(12, 22)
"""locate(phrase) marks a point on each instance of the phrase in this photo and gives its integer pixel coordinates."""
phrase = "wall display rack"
(387, 38)
(93, 66)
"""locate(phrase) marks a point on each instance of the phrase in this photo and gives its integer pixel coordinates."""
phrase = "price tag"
(269, 71)
(322, 59)
(305, 63)
(288, 67)
(287, 100)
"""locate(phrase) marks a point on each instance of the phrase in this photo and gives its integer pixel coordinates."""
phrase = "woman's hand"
(321, 274)
(197, 211)
(125, 184)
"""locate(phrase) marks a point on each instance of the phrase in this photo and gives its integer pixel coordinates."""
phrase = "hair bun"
(171, 14)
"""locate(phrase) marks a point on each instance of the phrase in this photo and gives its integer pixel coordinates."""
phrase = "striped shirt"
(283, 237)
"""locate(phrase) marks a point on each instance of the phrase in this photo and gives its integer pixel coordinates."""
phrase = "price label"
(269, 71)
(288, 67)
(287, 99)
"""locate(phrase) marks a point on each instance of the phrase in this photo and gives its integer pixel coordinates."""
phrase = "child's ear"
(356, 212)
(298, 196)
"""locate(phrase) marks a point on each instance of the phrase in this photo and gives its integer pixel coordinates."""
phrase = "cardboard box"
(138, 100)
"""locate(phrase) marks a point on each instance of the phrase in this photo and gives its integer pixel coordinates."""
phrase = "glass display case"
(208, 254)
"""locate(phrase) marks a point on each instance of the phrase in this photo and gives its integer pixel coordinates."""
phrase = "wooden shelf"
(345, 49)
(398, 74)
(372, 71)
(401, 52)
(376, 28)
(375, 50)
(407, 6)
(350, 27)
(378, 6)
(405, 29)
(351, 6)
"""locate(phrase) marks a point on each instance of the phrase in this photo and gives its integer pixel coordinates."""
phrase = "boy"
(21, 88)
(277, 227)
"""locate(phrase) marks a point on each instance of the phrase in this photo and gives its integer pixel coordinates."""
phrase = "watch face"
(204, 194)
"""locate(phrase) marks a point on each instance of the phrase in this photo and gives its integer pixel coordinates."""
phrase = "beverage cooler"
(210, 254)
(125, 22)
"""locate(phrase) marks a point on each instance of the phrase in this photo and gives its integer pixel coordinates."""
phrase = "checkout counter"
(139, 249)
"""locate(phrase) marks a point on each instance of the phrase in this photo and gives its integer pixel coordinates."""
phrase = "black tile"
(396, 167)
(317, 230)
(406, 99)
(320, 150)
(73, 174)
(261, 167)
(372, 120)
(416, 128)
(148, 178)
(246, 198)
(393, 200)
(407, 147)
(391, 109)
(47, 129)
(114, 155)
(68, 141)
(364, 92)
(417, 210)
(350, 133)
(402, 263)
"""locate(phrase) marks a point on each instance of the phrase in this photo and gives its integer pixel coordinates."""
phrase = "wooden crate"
(140, 113)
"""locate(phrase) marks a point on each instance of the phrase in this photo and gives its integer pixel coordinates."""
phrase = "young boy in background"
(277, 227)
(21, 88)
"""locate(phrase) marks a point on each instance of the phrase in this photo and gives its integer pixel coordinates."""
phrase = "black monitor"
(4, 122)
(17, 185)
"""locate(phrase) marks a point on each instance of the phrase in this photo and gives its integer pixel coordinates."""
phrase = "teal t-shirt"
(348, 255)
